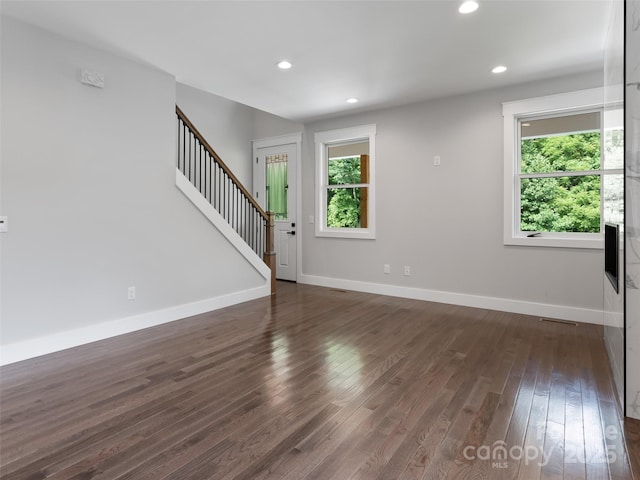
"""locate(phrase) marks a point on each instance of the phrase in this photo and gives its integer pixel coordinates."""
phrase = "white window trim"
(323, 140)
(512, 113)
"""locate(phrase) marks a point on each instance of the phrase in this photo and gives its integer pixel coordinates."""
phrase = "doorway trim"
(293, 138)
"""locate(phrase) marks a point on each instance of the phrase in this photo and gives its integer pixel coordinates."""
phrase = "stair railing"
(206, 171)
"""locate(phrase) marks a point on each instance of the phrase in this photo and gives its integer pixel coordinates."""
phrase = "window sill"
(359, 233)
(550, 240)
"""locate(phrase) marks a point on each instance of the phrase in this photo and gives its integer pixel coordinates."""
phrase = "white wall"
(88, 183)
(225, 124)
(266, 125)
(446, 222)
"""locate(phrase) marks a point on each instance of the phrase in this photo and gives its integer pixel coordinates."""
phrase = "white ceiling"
(383, 52)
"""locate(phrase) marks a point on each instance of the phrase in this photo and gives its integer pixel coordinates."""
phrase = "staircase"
(199, 167)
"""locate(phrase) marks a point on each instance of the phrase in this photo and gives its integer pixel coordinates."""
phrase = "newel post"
(269, 249)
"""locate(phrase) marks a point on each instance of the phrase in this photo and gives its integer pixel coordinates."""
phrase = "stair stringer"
(201, 203)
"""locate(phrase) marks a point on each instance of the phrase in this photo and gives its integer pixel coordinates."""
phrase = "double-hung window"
(554, 172)
(345, 161)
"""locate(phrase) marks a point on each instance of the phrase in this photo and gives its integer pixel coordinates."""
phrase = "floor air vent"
(564, 322)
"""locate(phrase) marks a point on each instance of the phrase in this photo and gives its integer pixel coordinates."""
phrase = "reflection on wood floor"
(322, 384)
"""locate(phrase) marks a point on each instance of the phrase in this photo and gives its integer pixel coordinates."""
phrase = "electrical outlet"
(436, 160)
(407, 271)
(131, 293)
(387, 268)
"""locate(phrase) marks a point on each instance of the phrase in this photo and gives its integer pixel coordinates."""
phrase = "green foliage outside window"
(343, 204)
(566, 203)
(343, 208)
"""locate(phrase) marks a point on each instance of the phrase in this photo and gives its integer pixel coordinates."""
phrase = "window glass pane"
(560, 204)
(613, 193)
(560, 153)
(613, 148)
(277, 186)
(348, 163)
(347, 207)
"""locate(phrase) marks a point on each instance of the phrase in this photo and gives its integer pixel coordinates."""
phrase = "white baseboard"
(561, 312)
(15, 352)
(36, 347)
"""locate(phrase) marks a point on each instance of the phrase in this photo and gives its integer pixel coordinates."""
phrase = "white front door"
(275, 189)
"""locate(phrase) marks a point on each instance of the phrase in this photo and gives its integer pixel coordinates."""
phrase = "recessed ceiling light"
(468, 7)
(284, 65)
(499, 69)
(352, 100)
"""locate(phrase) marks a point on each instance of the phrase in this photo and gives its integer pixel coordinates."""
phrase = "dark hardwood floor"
(322, 384)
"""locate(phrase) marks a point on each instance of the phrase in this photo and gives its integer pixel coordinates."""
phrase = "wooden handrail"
(219, 161)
